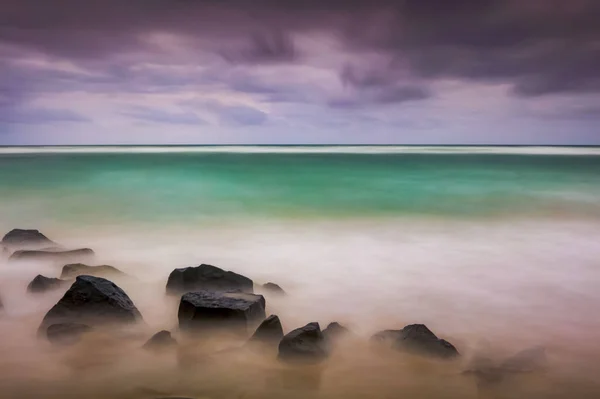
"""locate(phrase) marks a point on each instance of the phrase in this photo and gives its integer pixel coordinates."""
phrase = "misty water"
(495, 250)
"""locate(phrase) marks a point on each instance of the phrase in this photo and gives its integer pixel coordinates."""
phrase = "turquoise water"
(180, 186)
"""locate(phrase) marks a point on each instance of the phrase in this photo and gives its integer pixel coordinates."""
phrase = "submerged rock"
(207, 277)
(335, 331)
(273, 288)
(418, 339)
(525, 361)
(66, 333)
(42, 284)
(305, 344)
(205, 310)
(93, 301)
(269, 331)
(53, 255)
(160, 340)
(76, 269)
(22, 238)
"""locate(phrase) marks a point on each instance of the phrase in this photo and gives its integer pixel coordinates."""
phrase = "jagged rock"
(66, 333)
(53, 255)
(207, 277)
(273, 288)
(205, 310)
(21, 238)
(269, 331)
(335, 331)
(93, 301)
(305, 344)
(160, 340)
(76, 269)
(42, 284)
(416, 338)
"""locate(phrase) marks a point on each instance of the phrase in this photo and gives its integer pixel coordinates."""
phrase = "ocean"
(495, 249)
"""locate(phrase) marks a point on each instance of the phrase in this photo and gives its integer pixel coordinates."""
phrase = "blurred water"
(487, 249)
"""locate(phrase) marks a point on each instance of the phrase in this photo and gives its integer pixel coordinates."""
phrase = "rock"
(20, 238)
(206, 277)
(160, 340)
(305, 344)
(273, 288)
(527, 360)
(335, 331)
(76, 269)
(53, 255)
(66, 333)
(418, 339)
(93, 301)
(269, 331)
(205, 310)
(42, 284)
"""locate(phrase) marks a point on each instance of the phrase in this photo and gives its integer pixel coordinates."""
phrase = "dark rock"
(273, 288)
(66, 333)
(205, 310)
(527, 360)
(42, 284)
(76, 269)
(94, 301)
(206, 277)
(335, 331)
(305, 344)
(20, 238)
(53, 255)
(416, 338)
(160, 340)
(269, 331)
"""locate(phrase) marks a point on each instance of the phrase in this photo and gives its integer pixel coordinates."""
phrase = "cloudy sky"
(299, 71)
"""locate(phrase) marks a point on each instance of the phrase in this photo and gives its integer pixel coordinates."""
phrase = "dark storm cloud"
(538, 47)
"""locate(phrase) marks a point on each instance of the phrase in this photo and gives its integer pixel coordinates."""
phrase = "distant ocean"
(486, 245)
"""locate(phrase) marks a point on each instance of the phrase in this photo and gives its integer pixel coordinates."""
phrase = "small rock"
(52, 255)
(21, 238)
(527, 360)
(66, 333)
(42, 284)
(160, 340)
(93, 301)
(205, 310)
(269, 331)
(305, 344)
(76, 269)
(335, 331)
(416, 338)
(273, 288)
(206, 277)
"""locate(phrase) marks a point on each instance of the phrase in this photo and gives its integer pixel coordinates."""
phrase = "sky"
(299, 72)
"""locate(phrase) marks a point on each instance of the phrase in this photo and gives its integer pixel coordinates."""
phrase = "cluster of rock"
(23, 244)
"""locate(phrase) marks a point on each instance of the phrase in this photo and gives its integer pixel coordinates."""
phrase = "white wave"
(526, 150)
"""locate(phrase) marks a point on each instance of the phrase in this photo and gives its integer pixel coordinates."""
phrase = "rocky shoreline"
(213, 301)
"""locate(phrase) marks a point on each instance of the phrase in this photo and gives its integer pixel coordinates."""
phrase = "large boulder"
(305, 344)
(418, 339)
(66, 333)
(269, 331)
(73, 270)
(92, 301)
(159, 341)
(42, 284)
(206, 277)
(21, 238)
(53, 255)
(206, 310)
